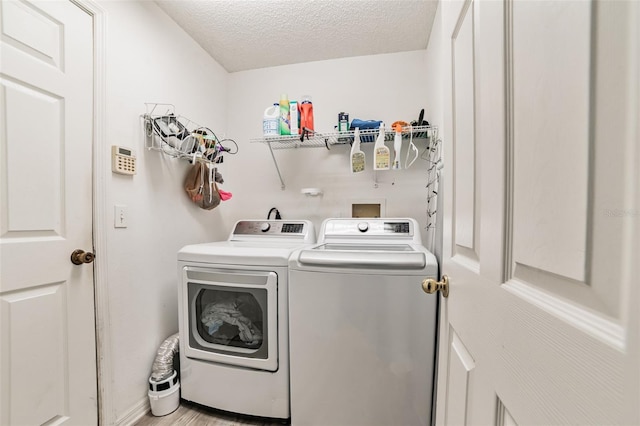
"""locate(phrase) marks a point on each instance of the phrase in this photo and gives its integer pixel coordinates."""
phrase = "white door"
(542, 213)
(47, 325)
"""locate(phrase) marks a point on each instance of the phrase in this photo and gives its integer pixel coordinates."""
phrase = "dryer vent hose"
(163, 364)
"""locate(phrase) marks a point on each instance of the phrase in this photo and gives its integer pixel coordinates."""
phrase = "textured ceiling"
(249, 34)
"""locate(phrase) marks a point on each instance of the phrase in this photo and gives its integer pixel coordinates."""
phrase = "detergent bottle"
(285, 115)
(306, 113)
(294, 117)
(271, 121)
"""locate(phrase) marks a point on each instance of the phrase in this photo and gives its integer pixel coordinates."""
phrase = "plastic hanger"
(412, 149)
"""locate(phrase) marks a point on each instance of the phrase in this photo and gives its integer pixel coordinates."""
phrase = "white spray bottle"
(381, 152)
(357, 156)
(397, 146)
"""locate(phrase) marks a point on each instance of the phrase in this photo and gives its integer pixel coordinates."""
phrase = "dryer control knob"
(363, 226)
(265, 227)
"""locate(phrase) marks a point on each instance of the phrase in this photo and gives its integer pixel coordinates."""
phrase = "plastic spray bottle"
(381, 152)
(397, 146)
(357, 156)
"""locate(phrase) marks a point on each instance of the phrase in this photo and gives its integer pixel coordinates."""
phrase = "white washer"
(362, 331)
(233, 317)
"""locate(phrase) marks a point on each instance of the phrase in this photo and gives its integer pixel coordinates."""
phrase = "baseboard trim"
(135, 413)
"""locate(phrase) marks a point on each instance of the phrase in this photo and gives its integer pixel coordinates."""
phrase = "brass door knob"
(431, 286)
(78, 257)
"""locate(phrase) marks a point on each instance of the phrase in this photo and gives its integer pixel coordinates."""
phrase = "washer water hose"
(163, 364)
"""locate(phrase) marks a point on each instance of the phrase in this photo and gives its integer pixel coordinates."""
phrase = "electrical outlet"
(120, 216)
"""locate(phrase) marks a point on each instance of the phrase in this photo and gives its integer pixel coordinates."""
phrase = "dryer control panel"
(260, 228)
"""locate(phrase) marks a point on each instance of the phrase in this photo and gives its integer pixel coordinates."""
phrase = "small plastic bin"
(164, 396)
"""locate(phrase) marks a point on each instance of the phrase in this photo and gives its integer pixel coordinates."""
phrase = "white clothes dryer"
(362, 331)
(233, 317)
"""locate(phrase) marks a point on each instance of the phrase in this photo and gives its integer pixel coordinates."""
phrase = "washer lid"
(383, 256)
(365, 247)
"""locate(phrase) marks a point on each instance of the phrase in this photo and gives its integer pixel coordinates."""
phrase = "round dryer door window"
(232, 316)
(234, 319)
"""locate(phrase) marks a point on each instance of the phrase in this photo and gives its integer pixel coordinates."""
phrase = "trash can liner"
(163, 364)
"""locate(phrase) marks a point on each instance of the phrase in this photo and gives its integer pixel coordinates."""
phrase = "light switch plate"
(120, 216)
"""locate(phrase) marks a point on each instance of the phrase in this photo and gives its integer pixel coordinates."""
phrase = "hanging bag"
(201, 187)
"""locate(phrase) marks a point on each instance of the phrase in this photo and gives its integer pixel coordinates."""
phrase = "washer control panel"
(369, 227)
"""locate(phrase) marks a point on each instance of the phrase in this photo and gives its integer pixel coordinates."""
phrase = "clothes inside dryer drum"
(215, 315)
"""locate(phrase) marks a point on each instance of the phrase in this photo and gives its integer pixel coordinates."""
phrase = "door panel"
(47, 352)
(557, 238)
(464, 133)
(551, 131)
(461, 365)
(504, 418)
(549, 315)
(464, 137)
(34, 31)
(615, 165)
(34, 331)
(33, 205)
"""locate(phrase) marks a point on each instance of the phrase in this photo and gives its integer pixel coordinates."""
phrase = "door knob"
(431, 286)
(78, 257)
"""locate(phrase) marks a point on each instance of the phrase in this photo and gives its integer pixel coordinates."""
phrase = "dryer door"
(232, 317)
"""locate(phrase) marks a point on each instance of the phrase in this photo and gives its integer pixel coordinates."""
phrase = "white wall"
(150, 59)
(387, 87)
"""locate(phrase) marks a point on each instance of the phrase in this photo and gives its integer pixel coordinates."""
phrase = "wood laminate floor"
(196, 415)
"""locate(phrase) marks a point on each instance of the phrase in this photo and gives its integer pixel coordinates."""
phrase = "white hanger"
(412, 148)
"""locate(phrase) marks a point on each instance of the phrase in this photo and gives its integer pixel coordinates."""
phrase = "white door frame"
(106, 414)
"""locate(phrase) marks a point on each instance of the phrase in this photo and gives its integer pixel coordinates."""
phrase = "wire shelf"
(312, 139)
(326, 140)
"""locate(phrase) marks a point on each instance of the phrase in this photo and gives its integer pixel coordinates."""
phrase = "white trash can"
(164, 396)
